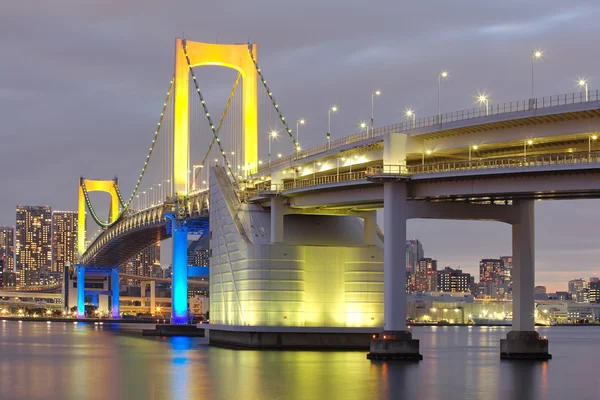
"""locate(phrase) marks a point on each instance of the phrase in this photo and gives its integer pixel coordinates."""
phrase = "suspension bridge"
(294, 242)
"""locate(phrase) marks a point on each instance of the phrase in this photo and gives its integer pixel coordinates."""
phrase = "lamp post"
(410, 114)
(583, 83)
(528, 142)
(363, 126)
(474, 147)
(194, 168)
(272, 135)
(298, 123)
(334, 109)
(338, 167)
(590, 138)
(373, 94)
(483, 99)
(535, 55)
(441, 75)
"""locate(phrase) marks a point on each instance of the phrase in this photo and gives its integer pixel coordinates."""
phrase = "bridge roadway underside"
(123, 247)
(500, 186)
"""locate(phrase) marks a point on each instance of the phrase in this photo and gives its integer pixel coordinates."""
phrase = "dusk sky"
(82, 85)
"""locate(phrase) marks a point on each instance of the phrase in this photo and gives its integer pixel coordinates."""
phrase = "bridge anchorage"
(296, 256)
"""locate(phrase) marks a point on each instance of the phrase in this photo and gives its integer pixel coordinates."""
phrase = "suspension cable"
(223, 115)
(275, 105)
(212, 126)
(119, 195)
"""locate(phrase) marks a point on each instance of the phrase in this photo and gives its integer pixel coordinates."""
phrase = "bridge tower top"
(190, 54)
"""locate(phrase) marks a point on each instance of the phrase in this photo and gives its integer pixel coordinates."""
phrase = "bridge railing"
(522, 161)
(475, 112)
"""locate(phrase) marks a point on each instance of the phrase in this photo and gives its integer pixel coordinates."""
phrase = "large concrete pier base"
(524, 345)
(395, 345)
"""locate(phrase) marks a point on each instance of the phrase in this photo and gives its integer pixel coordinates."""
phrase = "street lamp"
(272, 135)
(298, 123)
(373, 94)
(528, 142)
(363, 125)
(535, 55)
(593, 137)
(583, 83)
(428, 152)
(441, 75)
(410, 114)
(483, 99)
(334, 109)
(474, 147)
(338, 167)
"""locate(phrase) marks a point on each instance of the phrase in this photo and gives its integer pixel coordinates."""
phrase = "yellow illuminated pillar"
(107, 186)
(235, 56)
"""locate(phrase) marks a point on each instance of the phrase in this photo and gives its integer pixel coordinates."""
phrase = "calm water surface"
(86, 361)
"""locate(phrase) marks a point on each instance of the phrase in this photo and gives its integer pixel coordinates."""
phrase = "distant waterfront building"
(198, 252)
(594, 292)
(594, 279)
(578, 289)
(453, 280)
(7, 247)
(414, 252)
(426, 275)
(33, 247)
(539, 290)
(64, 239)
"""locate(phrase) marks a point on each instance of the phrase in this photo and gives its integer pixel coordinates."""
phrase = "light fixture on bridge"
(410, 114)
(528, 142)
(473, 147)
(279, 155)
(428, 152)
(272, 135)
(535, 55)
(441, 75)
(363, 125)
(299, 122)
(482, 98)
(334, 110)
(590, 138)
(373, 94)
(583, 83)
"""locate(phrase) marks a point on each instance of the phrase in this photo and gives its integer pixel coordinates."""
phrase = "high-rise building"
(414, 252)
(64, 239)
(7, 247)
(33, 247)
(507, 264)
(146, 262)
(426, 275)
(491, 270)
(594, 279)
(453, 280)
(198, 252)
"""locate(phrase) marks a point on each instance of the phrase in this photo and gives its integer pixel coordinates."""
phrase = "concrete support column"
(115, 302)
(395, 342)
(277, 219)
(370, 225)
(179, 289)
(394, 256)
(523, 342)
(152, 297)
(80, 291)
(523, 267)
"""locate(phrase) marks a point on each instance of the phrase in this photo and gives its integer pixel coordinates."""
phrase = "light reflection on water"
(84, 361)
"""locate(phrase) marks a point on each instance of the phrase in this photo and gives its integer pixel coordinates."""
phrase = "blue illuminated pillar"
(179, 290)
(114, 282)
(80, 291)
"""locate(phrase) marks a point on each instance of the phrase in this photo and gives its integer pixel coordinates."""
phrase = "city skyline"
(110, 94)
